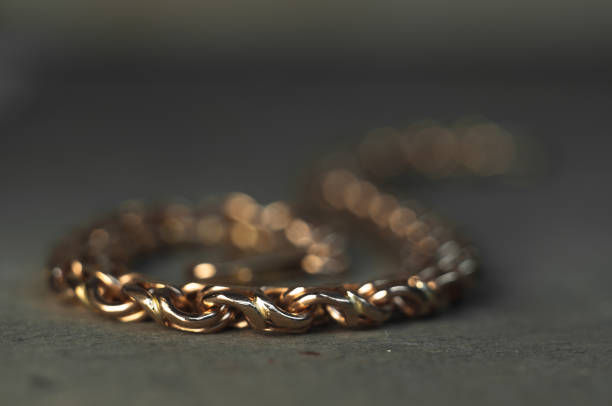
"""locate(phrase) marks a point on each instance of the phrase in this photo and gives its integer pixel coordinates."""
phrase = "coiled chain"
(92, 265)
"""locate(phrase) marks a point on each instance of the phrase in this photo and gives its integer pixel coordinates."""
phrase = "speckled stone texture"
(537, 330)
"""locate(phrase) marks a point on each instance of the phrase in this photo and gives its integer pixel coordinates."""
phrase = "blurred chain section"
(471, 146)
(436, 266)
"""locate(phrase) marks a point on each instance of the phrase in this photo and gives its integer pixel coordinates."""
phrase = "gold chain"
(435, 265)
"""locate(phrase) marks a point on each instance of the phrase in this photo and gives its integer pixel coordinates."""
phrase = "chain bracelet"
(92, 265)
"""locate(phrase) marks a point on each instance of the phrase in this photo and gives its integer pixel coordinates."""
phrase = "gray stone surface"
(536, 331)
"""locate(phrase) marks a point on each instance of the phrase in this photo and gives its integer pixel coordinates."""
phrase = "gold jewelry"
(435, 265)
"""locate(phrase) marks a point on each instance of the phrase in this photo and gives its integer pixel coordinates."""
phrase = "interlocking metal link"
(258, 309)
(170, 307)
(435, 266)
(104, 293)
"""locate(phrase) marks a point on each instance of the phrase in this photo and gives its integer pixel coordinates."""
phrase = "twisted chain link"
(436, 266)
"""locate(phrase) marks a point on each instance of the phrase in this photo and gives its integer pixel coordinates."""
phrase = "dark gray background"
(86, 124)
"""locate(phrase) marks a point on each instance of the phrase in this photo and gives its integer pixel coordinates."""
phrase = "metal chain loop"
(435, 265)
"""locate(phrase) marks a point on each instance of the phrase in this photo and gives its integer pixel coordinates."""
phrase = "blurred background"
(104, 101)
